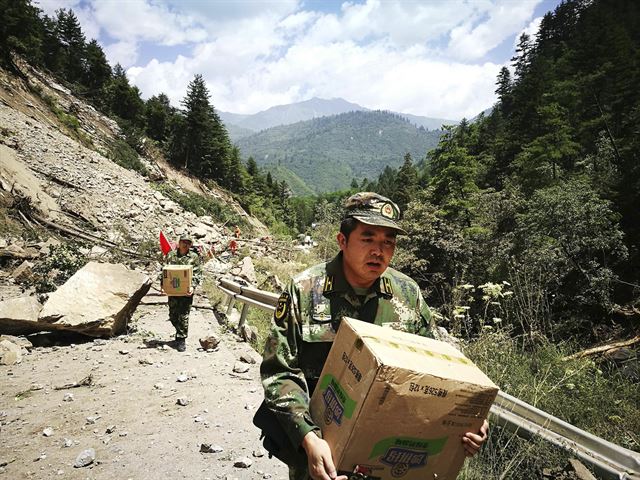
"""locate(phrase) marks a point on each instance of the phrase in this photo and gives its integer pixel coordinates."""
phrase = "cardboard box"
(176, 279)
(397, 404)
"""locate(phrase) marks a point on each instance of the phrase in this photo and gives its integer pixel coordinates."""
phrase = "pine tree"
(157, 113)
(20, 31)
(97, 69)
(407, 183)
(73, 44)
(207, 144)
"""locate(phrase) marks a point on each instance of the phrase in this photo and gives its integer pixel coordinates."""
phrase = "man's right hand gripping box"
(397, 405)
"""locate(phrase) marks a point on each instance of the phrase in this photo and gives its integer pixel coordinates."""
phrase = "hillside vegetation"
(327, 153)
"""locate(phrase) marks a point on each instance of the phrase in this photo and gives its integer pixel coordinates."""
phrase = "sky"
(436, 58)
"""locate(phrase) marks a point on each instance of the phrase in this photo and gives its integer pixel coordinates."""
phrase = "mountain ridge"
(326, 153)
(315, 107)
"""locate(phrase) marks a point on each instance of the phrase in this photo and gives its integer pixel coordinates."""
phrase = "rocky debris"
(246, 270)
(182, 401)
(581, 471)
(85, 458)
(47, 432)
(20, 315)
(110, 429)
(68, 397)
(247, 358)
(17, 178)
(243, 462)
(240, 367)
(210, 342)
(145, 361)
(272, 283)
(182, 378)
(23, 273)
(10, 353)
(258, 453)
(209, 448)
(111, 293)
(248, 333)
(22, 342)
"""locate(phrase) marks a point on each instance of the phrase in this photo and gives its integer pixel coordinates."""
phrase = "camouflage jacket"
(306, 319)
(191, 258)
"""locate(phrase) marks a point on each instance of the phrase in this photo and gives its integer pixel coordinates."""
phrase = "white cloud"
(134, 20)
(472, 41)
(425, 58)
(124, 53)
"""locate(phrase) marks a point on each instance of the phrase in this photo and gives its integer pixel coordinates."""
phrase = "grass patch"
(69, 121)
(595, 398)
(123, 154)
(202, 205)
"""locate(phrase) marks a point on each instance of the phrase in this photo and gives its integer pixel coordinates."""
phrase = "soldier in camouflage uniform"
(357, 283)
(179, 307)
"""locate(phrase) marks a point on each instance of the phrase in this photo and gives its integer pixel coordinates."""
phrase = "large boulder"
(19, 316)
(98, 300)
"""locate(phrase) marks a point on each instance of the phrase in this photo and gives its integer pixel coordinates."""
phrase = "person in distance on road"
(180, 307)
(357, 283)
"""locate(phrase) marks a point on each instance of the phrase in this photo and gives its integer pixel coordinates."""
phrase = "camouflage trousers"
(179, 308)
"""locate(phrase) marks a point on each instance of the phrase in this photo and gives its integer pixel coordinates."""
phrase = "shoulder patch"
(283, 305)
(385, 286)
(328, 284)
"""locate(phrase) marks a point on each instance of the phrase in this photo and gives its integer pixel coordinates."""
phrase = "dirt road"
(129, 414)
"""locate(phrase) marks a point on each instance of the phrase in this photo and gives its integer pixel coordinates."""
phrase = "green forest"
(326, 153)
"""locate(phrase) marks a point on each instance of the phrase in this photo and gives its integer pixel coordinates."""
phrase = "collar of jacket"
(335, 281)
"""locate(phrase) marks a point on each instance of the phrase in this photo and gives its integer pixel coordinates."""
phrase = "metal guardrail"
(610, 461)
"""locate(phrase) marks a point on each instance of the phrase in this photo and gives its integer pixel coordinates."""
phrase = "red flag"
(165, 246)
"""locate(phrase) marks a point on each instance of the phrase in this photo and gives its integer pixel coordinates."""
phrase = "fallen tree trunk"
(603, 348)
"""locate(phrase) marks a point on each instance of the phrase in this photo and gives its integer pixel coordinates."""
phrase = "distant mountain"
(326, 153)
(291, 113)
(301, 111)
(428, 122)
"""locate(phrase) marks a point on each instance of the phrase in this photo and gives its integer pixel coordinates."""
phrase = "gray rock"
(243, 462)
(85, 458)
(67, 443)
(10, 353)
(240, 367)
(258, 453)
(23, 273)
(210, 342)
(249, 333)
(182, 401)
(68, 397)
(182, 378)
(247, 358)
(47, 432)
(208, 448)
(248, 271)
(112, 293)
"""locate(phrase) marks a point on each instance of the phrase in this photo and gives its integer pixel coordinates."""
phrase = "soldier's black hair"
(347, 226)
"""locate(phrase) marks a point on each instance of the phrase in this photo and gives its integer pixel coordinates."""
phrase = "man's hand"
(473, 441)
(190, 292)
(321, 465)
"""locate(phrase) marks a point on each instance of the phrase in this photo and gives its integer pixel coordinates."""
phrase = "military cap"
(373, 209)
(185, 237)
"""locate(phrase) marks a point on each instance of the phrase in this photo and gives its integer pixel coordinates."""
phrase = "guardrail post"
(243, 316)
(230, 306)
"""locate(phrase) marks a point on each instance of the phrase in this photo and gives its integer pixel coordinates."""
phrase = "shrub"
(61, 263)
(121, 153)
